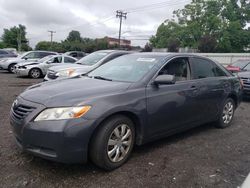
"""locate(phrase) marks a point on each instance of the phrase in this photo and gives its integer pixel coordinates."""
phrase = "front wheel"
(11, 68)
(35, 73)
(111, 146)
(227, 114)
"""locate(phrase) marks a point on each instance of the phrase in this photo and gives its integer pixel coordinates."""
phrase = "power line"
(120, 14)
(156, 6)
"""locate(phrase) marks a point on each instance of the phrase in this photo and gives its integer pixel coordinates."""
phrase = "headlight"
(67, 73)
(62, 113)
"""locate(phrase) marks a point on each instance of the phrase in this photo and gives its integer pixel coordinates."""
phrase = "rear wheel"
(35, 73)
(227, 114)
(11, 68)
(111, 146)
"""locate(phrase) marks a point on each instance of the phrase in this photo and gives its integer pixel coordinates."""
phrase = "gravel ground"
(202, 157)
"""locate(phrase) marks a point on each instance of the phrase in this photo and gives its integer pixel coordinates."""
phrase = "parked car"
(84, 65)
(39, 68)
(133, 99)
(76, 54)
(6, 54)
(245, 77)
(8, 64)
(239, 66)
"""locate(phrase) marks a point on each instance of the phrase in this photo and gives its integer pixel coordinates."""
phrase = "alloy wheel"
(35, 73)
(228, 112)
(119, 143)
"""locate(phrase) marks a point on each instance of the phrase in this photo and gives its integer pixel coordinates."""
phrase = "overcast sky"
(93, 18)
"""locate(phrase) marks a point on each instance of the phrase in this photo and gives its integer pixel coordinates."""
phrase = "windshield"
(92, 59)
(241, 63)
(128, 68)
(24, 54)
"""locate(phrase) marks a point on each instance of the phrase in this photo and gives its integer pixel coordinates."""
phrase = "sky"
(93, 18)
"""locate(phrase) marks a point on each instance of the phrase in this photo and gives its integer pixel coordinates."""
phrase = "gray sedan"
(84, 65)
(39, 68)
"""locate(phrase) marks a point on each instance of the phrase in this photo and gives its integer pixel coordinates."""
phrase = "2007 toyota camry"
(131, 100)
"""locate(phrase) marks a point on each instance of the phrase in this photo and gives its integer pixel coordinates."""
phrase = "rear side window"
(73, 54)
(80, 54)
(202, 68)
(43, 54)
(3, 52)
(69, 60)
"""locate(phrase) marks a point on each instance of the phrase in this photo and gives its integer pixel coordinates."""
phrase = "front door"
(171, 107)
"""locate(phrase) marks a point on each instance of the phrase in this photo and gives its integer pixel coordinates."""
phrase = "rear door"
(213, 82)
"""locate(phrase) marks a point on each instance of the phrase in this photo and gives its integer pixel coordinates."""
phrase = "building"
(115, 42)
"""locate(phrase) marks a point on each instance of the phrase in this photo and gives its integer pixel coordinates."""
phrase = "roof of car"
(167, 54)
(114, 51)
(43, 51)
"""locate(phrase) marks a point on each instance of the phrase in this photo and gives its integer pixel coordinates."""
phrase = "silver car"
(9, 63)
(39, 68)
(84, 65)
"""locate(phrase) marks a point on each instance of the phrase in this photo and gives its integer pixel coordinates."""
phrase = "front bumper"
(21, 72)
(63, 141)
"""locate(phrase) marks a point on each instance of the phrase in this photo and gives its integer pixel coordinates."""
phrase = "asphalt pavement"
(201, 157)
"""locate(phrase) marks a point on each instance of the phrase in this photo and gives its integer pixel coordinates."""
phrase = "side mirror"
(165, 79)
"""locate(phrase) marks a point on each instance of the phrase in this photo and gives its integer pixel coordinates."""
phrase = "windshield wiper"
(101, 78)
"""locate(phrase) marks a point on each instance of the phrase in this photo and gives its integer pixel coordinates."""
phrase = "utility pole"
(120, 14)
(51, 36)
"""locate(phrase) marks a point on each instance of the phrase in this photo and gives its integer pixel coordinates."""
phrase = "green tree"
(46, 45)
(147, 48)
(14, 37)
(2, 45)
(219, 24)
(74, 36)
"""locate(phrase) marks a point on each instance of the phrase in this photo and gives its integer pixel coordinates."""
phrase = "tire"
(35, 73)
(226, 114)
(107, 149)
(11, 68)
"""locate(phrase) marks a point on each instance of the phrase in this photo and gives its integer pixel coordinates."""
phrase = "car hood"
(68, 66)
(72, 91)
(244, 74)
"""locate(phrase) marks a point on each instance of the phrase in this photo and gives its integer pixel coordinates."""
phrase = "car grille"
(246, 83)
(20, 111)
(52, 75)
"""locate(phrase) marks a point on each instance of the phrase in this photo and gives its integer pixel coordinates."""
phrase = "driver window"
(57, 60)
(178, 67)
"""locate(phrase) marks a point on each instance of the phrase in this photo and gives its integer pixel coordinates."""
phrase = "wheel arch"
(235, 98)
(131, 115)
